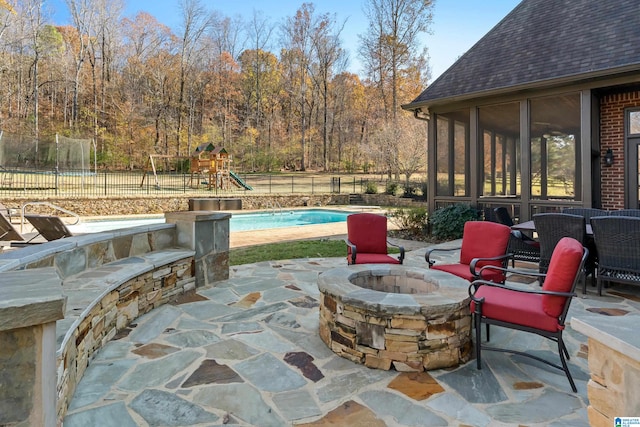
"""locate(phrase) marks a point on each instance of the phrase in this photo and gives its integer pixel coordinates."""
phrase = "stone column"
(614, 365)
(30, 303)
(206, 233)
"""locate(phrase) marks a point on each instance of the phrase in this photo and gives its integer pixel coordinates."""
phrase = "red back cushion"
(484, 239)
(561, 274)
(368, 232)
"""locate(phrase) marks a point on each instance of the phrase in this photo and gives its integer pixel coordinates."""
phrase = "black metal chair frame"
(523, 247)
(556, 337)
(472, 265)
(617, 240)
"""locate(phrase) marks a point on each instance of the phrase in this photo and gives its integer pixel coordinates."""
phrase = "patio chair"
(483, 243)
(367, 240)
(551, 227)
(523, 247)
(617, 241)
(587, 213)
(542, 312)
(625, 212)
(8, 231)
(8, 212)
(48, 226)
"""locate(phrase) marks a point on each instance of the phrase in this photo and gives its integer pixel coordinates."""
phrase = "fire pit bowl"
(390, 316)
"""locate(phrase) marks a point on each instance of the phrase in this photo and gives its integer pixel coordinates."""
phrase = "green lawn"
(290, 250)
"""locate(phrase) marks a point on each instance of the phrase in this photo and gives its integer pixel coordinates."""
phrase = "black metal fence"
(79, 184)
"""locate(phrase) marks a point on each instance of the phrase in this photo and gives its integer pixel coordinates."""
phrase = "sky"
(457, 24)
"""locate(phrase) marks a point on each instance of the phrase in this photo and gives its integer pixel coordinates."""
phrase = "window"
(452, 153)
(500, 149)
(634, 122)
(555, 147)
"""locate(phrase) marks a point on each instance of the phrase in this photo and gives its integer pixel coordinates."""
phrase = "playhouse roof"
(210, 148)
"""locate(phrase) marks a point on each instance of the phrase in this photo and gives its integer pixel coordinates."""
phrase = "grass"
(290, 250)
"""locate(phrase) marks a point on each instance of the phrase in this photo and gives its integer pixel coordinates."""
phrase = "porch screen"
(452, 153)
(500, 149)
(555, 147)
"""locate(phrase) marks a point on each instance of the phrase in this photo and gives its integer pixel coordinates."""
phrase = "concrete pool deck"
(247, 352)
(237, 239)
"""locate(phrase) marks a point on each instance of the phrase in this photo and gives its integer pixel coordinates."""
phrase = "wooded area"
(275, 96)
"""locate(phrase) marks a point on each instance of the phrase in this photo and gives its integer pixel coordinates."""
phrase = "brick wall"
(612, 108)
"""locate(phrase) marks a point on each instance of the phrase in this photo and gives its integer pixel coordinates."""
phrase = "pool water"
(238, 222)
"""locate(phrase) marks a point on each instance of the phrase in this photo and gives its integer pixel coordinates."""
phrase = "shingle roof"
(545, 40)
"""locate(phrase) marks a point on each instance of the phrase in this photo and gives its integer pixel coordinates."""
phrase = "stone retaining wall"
(157, 205)
(111, 315)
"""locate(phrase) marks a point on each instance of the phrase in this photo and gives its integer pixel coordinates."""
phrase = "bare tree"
(195, 23)
(103, 47)
(260, 30)
(82, 16)
(391, 43)
(297, 40)
(329, 55)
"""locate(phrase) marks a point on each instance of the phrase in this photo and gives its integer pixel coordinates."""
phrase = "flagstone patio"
(248, 352)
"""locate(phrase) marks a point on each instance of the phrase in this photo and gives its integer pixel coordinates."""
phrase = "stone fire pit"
(389, 316)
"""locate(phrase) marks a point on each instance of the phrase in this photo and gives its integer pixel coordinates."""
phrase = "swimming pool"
(238, 222)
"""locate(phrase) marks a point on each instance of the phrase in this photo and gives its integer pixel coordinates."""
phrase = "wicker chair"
(625, 212)
(587, 213)
(617, 241)
(523, 247)
(551, 227)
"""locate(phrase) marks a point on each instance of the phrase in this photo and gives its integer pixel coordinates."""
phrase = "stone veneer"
(614, 364)
(388, 316)
(30, 304)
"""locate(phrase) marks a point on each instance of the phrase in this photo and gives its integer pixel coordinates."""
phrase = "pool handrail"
(49, 204)
(274, 205)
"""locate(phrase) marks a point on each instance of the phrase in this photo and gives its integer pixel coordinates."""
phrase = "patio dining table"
(530, 226)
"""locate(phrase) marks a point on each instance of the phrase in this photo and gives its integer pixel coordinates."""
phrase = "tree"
(329, 54)
(82, 16)
(390, 45)
(297, 39)
(195, 23)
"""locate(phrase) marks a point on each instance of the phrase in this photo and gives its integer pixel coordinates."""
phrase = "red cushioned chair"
(367, 240)
(541, 312)
(483, 243)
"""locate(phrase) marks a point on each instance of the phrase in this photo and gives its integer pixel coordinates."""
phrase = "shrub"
(410, 190)
(371, 187)
(424, 187)
(448, 223)
(391, 188)
(413, 220)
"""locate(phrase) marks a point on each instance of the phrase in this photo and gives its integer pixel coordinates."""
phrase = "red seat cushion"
(484, 239)
(368, 232)
(374, 259)
(561, 274)
(463, 270)
(515, 307)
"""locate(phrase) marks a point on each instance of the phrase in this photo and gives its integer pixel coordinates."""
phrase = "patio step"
(356, 199)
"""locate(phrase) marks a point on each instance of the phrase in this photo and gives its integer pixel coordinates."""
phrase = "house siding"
(612, 135)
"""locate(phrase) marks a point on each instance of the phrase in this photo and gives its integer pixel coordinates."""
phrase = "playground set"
(208, 165)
